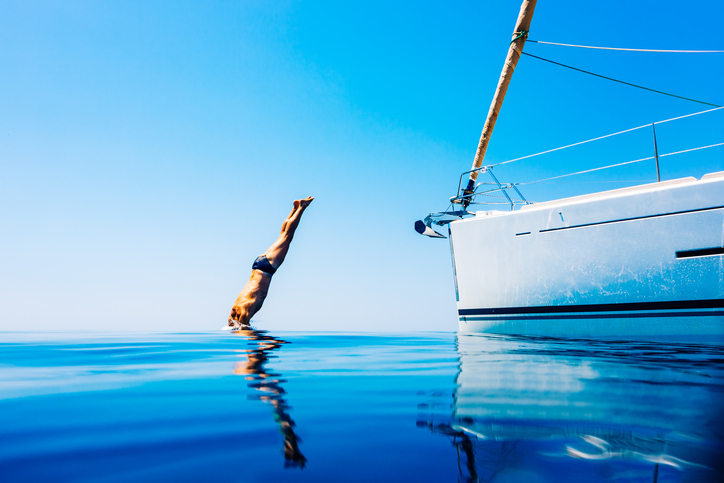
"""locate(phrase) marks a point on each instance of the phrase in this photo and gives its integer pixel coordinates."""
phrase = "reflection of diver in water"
(269, 384)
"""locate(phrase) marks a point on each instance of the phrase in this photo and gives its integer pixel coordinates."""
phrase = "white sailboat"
(646, 260)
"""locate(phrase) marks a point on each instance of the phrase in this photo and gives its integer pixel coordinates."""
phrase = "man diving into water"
(255, 291)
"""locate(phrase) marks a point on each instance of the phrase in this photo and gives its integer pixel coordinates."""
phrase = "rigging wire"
(569, 146)
(693, 149)
(620, 81)
(630, 50)
(606, 136)
(588, 171)
(688, 115)
(653, 180)
(621, 164)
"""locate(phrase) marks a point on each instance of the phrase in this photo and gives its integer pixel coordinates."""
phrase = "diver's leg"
(278, 251)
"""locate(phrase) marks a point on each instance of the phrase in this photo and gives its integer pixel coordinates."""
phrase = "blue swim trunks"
(261, 263)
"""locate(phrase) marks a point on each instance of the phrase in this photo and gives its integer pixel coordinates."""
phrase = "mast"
(522, 26)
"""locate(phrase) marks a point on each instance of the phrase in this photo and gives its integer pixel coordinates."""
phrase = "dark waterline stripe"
(632, 219)
(553, 309)
(702, 252)
(602, 316)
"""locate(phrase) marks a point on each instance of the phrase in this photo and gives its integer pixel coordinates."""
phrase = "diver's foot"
(305, 202)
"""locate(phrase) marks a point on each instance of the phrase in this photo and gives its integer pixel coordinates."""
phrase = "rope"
(631, 50)
(620, 81)
(621, 164)
(607, 136)
(522, 33)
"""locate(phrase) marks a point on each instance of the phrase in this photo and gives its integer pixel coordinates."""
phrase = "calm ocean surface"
(264, 406)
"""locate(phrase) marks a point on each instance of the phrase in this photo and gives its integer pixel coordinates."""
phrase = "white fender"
(423, 229)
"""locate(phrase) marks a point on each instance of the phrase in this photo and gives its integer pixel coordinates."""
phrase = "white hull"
(643, 261)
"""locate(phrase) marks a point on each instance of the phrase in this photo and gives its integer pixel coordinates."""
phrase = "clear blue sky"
(149, 151)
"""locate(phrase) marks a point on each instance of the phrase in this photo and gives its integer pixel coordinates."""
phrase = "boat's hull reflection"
(540, 409)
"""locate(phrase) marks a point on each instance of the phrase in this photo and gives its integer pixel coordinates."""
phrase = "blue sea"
(443, 407)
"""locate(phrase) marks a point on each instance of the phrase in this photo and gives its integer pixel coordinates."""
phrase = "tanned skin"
(255, 291)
